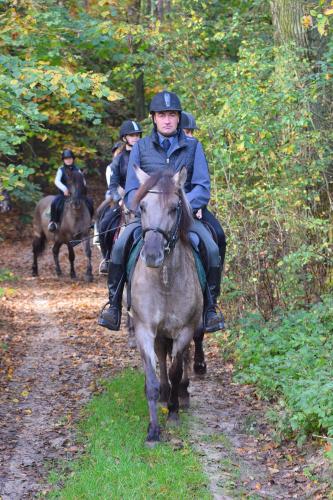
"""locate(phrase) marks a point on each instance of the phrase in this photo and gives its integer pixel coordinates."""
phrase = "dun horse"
(75, 224)
(166, 294)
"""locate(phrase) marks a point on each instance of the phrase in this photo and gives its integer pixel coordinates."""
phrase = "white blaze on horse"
(166, 296)
(75, 225)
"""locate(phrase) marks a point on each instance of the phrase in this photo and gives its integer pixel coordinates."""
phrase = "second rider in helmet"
(130, 132)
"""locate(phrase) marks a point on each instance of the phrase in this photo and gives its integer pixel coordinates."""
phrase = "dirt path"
(52, 356)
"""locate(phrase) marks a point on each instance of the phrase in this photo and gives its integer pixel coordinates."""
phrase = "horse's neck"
(176, 265)
(73, 217)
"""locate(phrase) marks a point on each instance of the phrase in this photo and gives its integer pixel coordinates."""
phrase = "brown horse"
(75, 224)
(166, 295)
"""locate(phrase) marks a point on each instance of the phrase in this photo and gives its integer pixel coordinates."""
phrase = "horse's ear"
(180, 177)
(141, 175)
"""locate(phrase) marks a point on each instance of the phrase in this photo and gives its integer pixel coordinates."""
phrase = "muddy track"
(54, 355)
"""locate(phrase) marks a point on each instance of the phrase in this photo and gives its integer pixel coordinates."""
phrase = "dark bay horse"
(75, 224)
(166, 294)
(109, 217)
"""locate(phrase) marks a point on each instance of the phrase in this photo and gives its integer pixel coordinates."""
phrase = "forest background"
(258, 77)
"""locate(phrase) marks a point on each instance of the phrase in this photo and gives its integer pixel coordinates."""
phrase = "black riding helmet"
(188, 121)
(129, 127)
(165, 101)
(67, 153)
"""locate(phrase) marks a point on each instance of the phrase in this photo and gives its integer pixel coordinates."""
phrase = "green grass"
(116, 463)
(290, 360)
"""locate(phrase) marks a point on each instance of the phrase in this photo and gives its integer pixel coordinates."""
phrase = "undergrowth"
(290, 361)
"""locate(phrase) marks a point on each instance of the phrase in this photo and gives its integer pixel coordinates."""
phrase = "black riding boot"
(213, 318)
(110, 318)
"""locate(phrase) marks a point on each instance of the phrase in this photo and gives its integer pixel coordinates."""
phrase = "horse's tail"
(39, 244)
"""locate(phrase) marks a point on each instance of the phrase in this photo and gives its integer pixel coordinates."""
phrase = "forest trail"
(53, 357)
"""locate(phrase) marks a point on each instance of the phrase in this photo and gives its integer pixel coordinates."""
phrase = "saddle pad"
(134, 255)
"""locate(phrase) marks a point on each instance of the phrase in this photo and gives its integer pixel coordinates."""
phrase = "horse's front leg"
(55, 251)
(145, 342)
(71, 257)
(87, 249)
(184, 396)
(180, 345)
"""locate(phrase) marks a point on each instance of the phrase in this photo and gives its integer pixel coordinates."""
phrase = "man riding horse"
(168, 148)
(61, 181)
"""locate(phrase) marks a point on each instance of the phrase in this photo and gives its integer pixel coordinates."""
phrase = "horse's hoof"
(34, 274)
(200, 368)
(151, 444)
(131, 343)
(89, 278)
(153, 435)
(173, 419)
(73, 276)
(184, 402)
(59, 273)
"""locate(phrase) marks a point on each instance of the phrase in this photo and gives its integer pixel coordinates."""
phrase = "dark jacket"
(118, 174)
(63, 176)
(149, 155)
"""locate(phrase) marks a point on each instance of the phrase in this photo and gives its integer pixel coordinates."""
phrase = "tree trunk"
(160, 10)
(140, 111)
(287, 20)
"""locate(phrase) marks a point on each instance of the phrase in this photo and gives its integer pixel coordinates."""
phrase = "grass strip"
(117, 464)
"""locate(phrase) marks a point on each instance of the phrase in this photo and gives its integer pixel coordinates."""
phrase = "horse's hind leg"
(175, 376)
(38, 246)
(55, 250)
(71, 258)
(199, 365)
(162, 346)
(87, 249)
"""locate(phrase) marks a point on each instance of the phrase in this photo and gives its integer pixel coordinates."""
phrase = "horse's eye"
(172, 210)
(142, 207)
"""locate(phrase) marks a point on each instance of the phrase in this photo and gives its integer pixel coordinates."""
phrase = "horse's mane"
(163, 180)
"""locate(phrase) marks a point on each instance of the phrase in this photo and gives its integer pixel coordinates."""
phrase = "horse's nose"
(76, 204)
(152, 252)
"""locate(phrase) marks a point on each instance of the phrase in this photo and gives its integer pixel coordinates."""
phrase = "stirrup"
(218, 325)
(100, 269)
(105, 323)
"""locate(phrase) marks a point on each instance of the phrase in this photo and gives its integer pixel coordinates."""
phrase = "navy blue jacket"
(149, 155)
(118, 174)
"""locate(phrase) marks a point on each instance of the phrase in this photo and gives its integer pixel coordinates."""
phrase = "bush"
(290, 360)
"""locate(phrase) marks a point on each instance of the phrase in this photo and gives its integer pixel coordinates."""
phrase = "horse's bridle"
(171, 237)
